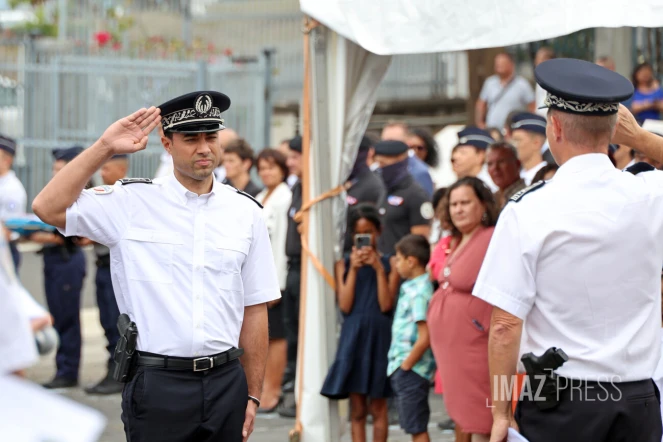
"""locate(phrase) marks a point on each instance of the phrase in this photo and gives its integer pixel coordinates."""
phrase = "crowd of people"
(413, 252)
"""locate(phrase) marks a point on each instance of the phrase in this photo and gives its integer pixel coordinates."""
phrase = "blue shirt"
(650, 114)
(414, 297)
(419, 171)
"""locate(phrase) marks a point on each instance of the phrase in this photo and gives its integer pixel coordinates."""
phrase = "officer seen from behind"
(559, 276)
(192, 270)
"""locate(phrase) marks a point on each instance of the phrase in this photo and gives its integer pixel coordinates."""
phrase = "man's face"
(234, 165)
(527, 144)
(294, 162)
(6, 161)
(503, 167)
(395, 133)
(194, 155)
(114, 170)
(465, 159)
(503, 66)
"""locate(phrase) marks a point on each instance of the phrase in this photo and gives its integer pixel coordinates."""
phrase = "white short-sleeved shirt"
(579, 260)
(18, 349)
(183, 266)
(13, 198)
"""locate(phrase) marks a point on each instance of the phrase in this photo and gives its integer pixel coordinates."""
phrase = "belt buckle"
(195, 364)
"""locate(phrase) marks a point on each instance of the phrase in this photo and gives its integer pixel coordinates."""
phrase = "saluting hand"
(627, 128)
(129, 134)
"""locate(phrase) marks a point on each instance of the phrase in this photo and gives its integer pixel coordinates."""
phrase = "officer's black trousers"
(185, 406)
(606, 412)
(290, 303)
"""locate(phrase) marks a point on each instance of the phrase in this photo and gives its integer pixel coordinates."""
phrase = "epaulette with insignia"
(248, 196)
(639, 167)
(135, 180)
(517, 197)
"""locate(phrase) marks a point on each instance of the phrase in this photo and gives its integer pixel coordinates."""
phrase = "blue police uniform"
(64, 272)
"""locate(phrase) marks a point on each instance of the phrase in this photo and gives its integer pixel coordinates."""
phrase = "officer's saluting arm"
(629, 132)
(125, 136)
(261, 286)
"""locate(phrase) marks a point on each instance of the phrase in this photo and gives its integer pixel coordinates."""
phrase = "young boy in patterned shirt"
(411, 364)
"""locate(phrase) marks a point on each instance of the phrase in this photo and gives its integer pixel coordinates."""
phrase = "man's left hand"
(249, 420)
(500, 429)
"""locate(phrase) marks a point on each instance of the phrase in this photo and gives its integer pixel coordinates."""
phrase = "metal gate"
(50, 100)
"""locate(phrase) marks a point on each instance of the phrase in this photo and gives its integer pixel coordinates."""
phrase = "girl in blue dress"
(367, 288)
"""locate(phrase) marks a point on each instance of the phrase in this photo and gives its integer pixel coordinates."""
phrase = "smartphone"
(362, 240)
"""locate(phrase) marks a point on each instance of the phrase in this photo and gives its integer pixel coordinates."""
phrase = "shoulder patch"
(248, 196)
(518, 196)
(102, 190)
(639, 167)
(135, 180)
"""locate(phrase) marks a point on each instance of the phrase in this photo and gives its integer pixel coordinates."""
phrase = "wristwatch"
(255, 400)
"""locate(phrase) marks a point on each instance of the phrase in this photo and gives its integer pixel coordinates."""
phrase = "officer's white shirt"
(13, 198)
(579, 260)
(183, 266)
(276, 218)
(18, 349)
(528, 175)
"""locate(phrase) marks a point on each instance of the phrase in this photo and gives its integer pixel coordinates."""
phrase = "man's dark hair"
(273, 156)
(506, 146)
(241, 148)
(416, 246)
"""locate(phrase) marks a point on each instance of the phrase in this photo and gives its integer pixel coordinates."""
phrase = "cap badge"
(203, 104)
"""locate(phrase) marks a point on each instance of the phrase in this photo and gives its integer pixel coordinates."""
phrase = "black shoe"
(107, 385)
(447, 424)
(287, 407)
(60, 382)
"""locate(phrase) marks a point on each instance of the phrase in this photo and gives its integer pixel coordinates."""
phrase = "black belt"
(192, 364)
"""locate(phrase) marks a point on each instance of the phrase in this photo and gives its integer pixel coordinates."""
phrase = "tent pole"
(295, 433)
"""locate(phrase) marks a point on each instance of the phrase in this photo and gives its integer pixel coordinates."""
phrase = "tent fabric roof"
(389, 27)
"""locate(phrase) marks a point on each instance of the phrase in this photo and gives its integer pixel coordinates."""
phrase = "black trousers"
(290, 303)
(596, 412)
(185, 406)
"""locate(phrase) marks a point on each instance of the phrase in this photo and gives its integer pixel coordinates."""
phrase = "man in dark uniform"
(113, 170)
(293, 250)
(406, 208)
(365, 185)
(64, 271)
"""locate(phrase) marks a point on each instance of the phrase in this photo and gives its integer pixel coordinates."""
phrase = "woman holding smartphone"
(366, 286)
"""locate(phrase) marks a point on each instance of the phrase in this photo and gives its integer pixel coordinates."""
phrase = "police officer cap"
(581, 87)
(8, 145)
(390, 148)
(296, 144)
(529, 122)
(67, 153)
(196, 112)
(473, 136)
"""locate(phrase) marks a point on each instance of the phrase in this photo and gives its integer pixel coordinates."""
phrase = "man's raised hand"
(130, 134)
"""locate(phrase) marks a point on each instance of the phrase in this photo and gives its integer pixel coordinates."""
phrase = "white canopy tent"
(346, 58)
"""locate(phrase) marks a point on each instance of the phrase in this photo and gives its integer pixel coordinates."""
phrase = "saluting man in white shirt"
(192, 266)
(560, 271)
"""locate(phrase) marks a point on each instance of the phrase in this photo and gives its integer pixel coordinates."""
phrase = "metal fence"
(57, 100)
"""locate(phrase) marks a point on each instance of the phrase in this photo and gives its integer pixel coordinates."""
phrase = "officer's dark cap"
(529, 122)
(580, 87)
(390, 148)
(296, 144)
(67, 153)
(473, 136)
(193, 113)
(8, 145)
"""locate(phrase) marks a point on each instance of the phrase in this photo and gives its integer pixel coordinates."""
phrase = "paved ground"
(268, 428)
